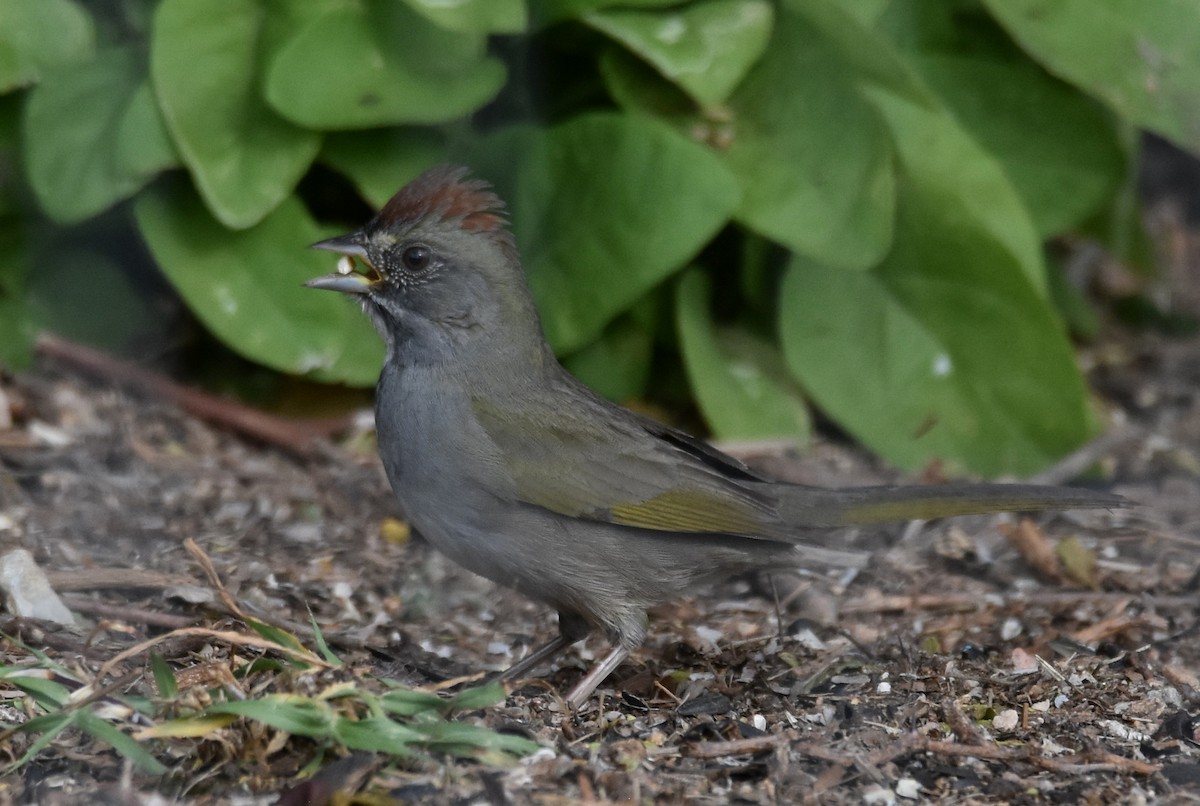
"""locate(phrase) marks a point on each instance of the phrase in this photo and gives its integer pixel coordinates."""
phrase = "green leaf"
(472, 699)
(376, 734)
(740, 382)
(1058, 148)
(946, 351)
(545, 12)
(16, 325)
(814, 161)
(976, 197)
(100, 730)
(190, 727)
(322, 646)
(299, 716)
(378, 64)
(247, 287)
(1141, 58)
(381, 161)
(605, 207)
(474, 16)
(164, 677)
(37, 35)
(461, 739)
(49, 694)
(245, 159)
(705, 48)
(116, 141)
(49, 726)
(276, 634)
(617, 364)
(408, 702)
(86, 296)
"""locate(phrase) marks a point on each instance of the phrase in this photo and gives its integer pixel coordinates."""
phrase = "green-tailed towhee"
(517, 471)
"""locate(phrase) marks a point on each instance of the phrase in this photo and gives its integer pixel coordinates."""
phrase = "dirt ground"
(980, 660)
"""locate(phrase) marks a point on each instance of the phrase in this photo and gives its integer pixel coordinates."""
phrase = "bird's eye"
(416, 258)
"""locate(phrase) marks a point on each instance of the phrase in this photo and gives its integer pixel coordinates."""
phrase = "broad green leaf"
(930, 145)
(814, 161)
(36, 35)
(474, 16)
(247, 287)
(115, 144)
(1141, 58)
(245, 158)
(86, 296)
(740, 382)
(16, 326)
(379, 63)
(381, 161)
(1059, 149)
(617, 364)
(705, 48)
(945, 352)
(976, 196)
(545, 12)
(604, 207)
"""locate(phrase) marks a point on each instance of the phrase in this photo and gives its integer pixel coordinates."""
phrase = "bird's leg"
(571, 628)
(583, 690)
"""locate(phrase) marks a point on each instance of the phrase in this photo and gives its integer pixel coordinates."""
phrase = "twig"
(738, 747)
(294, 434)
(136, 615)
(94, 579)
(238, 639)
(214, 579)
(1073, 464)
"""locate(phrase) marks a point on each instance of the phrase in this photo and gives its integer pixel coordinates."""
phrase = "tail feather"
(817, 507)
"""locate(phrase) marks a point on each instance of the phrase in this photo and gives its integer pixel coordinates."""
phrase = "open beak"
(347, 279)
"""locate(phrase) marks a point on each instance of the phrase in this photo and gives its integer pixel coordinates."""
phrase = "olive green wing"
(595, 461)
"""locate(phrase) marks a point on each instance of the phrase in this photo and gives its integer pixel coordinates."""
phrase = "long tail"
(814, 506)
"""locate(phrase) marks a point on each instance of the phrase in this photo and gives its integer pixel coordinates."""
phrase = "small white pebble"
(1006, 721)
(884, 687)
(1010, 629)
(759, 721)
(876, 795)
(908, 788)
(345, 264)
(1061, 700)
(499, 648)
(48, 434)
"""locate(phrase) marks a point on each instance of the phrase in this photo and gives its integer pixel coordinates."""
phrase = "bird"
(518, 472)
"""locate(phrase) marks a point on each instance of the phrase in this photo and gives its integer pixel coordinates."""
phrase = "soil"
(980, 660)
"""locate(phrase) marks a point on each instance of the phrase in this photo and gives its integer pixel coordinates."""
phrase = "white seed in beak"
(345, 264)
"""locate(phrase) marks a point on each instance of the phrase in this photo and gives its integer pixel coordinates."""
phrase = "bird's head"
(437, 271)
